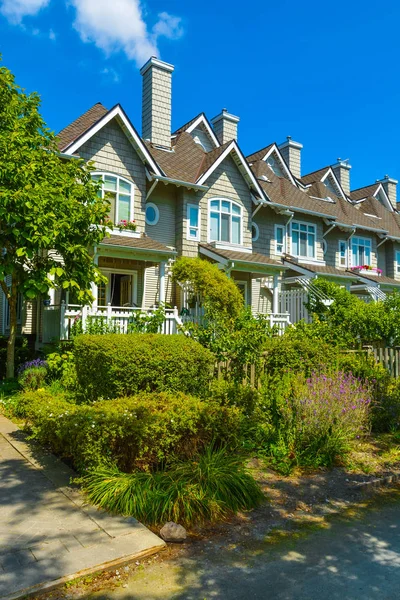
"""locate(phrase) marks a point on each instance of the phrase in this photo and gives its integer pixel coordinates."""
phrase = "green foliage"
(351, 322)
(217, 293)
(315, 420)
(211, 486)
(22, 353)
(142, 432)
(61, 367)
(110, 366)
(298, 352)
(49, 208)
(144, 322)
(32, 378)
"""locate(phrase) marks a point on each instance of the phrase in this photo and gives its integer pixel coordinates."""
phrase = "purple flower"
(32, 364)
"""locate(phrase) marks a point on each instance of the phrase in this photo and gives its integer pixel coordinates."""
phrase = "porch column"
(275, 295)
(93, 286)
(161, 298)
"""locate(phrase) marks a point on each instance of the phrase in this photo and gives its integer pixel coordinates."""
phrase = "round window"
(255, 232)
(152, 214)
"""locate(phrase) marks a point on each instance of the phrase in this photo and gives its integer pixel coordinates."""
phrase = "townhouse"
(193, 192)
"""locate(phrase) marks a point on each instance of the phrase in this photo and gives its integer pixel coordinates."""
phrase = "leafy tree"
(50, 213)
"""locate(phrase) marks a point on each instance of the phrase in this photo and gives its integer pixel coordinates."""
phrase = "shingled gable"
(86, 126)
(200, 120)
(373, 190)
(265, 153)
(320, 176)
(214, 158)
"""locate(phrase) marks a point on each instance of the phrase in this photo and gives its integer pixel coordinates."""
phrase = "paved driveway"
(351, 561)
(46, 531)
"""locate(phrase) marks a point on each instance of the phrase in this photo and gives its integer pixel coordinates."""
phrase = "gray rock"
(172, 532)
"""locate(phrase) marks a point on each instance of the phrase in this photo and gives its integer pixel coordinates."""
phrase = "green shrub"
(32, 378)
(385, 408)
(61, 367)
(297, 352)
(212, 486)
(136, 432)
(112, 366)
(22, 353)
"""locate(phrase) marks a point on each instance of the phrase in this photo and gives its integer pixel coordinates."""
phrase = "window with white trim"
(119, 192)
(343, 253)
(398, 262)
(303, 239)
(279, 239)
(360, 251)
(329, 184)
(193, 222)
(275, 166)
(225, 221)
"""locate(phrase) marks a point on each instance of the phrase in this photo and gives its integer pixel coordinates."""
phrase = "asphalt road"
(357, 560)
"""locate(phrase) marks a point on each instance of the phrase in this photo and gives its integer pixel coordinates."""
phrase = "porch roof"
(380, 279)
(142, 245)
(252, 261)
(326, 270)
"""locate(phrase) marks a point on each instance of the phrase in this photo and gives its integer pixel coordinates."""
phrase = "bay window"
(360, 251)
(225, 221)
(119, 193)
(303, 240)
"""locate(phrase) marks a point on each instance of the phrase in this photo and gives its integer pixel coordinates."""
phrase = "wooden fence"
(252, 374)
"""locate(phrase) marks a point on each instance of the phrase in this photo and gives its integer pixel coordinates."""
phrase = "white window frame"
(283, 228)
(156, 210)
(243, 284)
(346, 253)
(189, 227)
(364, 239)
(240, 215)
(257, 232)
(119, 178)
(397, 262)
(134, 276)
(314, 227)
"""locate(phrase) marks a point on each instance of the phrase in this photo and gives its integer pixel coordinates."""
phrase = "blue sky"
(325, 73)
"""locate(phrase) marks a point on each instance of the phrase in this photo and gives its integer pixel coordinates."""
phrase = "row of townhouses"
(193, 192)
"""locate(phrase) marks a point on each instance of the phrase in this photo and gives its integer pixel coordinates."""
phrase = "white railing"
(280, 321)
(292, 302)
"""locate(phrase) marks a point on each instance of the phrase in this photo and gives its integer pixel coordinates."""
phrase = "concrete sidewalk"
(47, 533)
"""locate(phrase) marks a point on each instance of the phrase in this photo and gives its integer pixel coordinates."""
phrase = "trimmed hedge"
(142, 432)
(112, 366)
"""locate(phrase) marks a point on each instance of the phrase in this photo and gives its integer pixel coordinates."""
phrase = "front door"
(126, 290)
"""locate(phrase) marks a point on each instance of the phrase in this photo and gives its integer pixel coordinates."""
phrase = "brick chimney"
(342, 172)
(291, 152)
(225, 126)
(156, 101)
(390, 187)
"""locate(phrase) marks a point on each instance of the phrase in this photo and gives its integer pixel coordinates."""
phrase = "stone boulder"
(172, 532)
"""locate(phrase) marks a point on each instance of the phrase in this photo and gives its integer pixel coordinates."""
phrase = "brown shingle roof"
(142, 243)
(247, 257)
(314, 176)
(183, 162)
(259, 155)
(380, 279)
(188, 124)
(364, 192)
(78, 127)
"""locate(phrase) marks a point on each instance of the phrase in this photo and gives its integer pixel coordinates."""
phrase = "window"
(255, 232)
(7, 314)
(329, 184)
(225, 222)
(303, 240)
(275, 166)
(102, 294)
(398, 262)
(342, 253)
(152, 214)
(242, 285)
(193, 222)
(279, 239)
(119, 192)
(360, 251)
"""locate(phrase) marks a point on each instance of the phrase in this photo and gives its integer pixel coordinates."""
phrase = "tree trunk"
(10, 369)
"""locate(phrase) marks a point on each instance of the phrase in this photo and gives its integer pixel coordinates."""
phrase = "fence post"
(62, 321)
(109, 313)
(84, 316)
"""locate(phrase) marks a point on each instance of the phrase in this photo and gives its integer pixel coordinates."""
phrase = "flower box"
(367, 270)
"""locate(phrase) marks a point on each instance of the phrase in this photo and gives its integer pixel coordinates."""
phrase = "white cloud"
(118, 25)
(111, 74)
(168, 26)
(52, 35)
(16, 10)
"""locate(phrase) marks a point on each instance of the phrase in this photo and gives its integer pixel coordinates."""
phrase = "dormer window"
(225, 221)
(275, 166)
(328, 184)
(119, 193)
